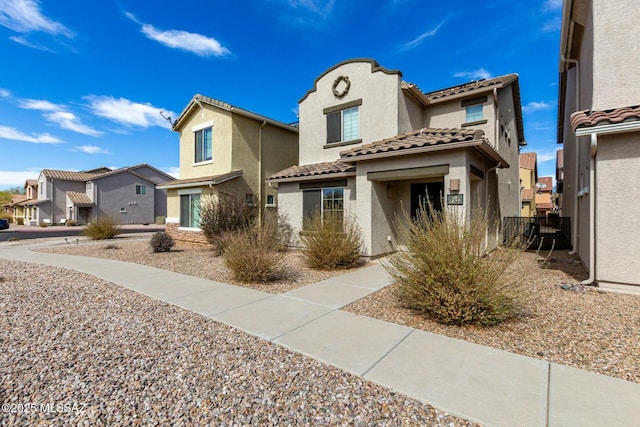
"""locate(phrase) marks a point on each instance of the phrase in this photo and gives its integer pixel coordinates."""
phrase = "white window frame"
(342, 125)
(184, 192)
(196, 129)
(471, 111)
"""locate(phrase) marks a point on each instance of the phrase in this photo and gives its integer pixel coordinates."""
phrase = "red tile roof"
(415, 139)
(313, 170)
(528, 161)
(586, 119)
(547, 184)
(473, 86)
(527, 194)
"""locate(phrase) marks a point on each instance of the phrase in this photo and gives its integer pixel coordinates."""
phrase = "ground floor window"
(190, 210)
(324, 201)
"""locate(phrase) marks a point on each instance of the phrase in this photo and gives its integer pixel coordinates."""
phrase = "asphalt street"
(18, 232)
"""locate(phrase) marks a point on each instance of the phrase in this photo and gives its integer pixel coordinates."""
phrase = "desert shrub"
(277, 226)
(20, 221)
(69, 223)
(109, 247)
(229, 213)
(252, 254)
(160, 219)
(331, 242)
(446, 273)
(161, 242)
(6, 216)
(104, 227)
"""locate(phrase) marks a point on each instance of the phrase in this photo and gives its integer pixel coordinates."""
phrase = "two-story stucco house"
(224, 150)
(599, 126)
(129, 195)
(373, 145)
(528, 180)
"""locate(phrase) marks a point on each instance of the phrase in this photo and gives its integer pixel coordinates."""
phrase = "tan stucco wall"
(221, 142)
(378, 112)
(615, 59)
(617, 208)
(452, 114)
(527, 180)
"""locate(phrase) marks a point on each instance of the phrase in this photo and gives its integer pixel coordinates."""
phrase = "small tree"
(446, 273)
(332, 241)
(227, 214)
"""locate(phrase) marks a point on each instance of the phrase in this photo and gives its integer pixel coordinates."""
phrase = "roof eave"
(317, 177)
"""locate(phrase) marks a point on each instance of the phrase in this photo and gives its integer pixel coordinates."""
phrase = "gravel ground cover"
(75, 350)
(199, 261)
(585, 328)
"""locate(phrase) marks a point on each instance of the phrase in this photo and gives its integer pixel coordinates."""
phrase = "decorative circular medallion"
(341, 86)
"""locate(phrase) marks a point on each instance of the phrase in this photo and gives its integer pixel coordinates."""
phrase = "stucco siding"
(221, 143)
(118, 191)
(57, 194)
(615, 41)
(452, 114)
(508, 178)
(378, 112)
(617, 209)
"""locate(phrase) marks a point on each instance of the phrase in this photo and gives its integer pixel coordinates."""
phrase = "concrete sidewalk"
(475, 382)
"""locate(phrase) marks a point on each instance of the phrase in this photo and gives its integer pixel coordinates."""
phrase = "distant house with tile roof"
(599, 127)
(129, 195)
(224, 149)
(374, 145)
(528, 180)
(544, 195)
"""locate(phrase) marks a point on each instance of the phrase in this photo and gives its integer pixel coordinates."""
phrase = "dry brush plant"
(220, 218)
(331, 241)
(446, 273)
(161, 242)
(104, 227)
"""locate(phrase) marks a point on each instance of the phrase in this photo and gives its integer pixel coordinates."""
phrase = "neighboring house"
(559, 180)
(14, 209)
(29, 211)
(224, 150)
(129, 195)
(528, 180)
(544, 193)
(373, 145)
(599, 126)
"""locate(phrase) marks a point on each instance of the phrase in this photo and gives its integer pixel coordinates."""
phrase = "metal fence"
(543, 232)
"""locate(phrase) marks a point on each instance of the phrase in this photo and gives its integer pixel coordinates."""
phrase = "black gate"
(543, 232)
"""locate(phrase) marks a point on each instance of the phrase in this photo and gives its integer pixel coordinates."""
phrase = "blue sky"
(82, 83)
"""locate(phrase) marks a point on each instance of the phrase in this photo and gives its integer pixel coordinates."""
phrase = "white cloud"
(418, 40)
(177, 39)
(32, 45)
(13, 134)
(91, 149)
(546, 156)
(9, 179)
(552, 5)
(58, 114)
(70, 122)
(24, 16)
(174, 171)
(536, 106)
(4, 93)
(478, 74)
(127, 112)
(552, 25)
(322, 8)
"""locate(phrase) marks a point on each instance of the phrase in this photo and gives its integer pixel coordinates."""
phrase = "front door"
(84, 214)
(433, 192)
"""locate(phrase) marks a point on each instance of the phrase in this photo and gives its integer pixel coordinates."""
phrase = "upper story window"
(41, 187)
(203, 145)
(473, 109)
(343, 122)
(141, 189)
(474, 113)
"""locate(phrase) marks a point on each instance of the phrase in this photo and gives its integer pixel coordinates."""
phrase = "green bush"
(229, 213)
(161, 242)
(160, 219)
(331, 242)
(104, 227)
(446, 273)
(253, 255)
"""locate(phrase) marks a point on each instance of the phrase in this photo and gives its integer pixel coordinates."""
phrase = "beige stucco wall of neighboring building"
(615, 59)
(617, 208)
(378, 112)
(221, 142)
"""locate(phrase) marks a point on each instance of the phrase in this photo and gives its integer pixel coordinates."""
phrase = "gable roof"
(528, 161)
(30, 182)
(80, 199)
(425, 140)
(132, 170)
(314, 171)
(527, 194)
(68, 175)
(198, 100)
(201, 180)
(547, 184)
